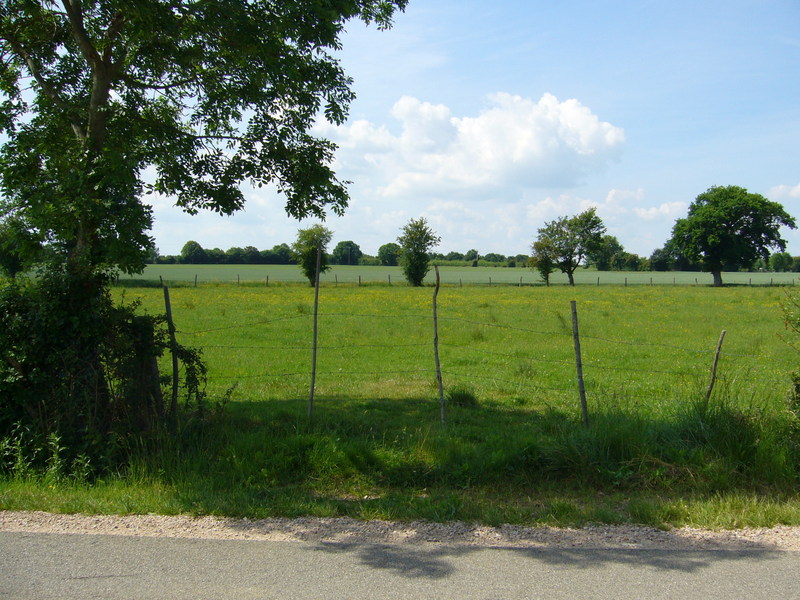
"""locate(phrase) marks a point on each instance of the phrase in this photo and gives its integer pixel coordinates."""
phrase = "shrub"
(87, 378)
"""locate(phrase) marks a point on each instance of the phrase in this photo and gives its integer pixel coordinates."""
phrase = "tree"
(416, 242)
(388, 254)
(306, 247)
(234, 256)
(206, 94)
(200, 96)
(192, 253)
(730, 228)
(542, 258)
(569, 240)
(346, 253)
(471, 254)
(604, 254)
(661, 259)
(781, 262)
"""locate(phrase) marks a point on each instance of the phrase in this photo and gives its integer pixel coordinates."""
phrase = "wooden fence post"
(195, 280)
(173, 407)
(714, 367)
(579, 363)
(314, 343)
(436, 347)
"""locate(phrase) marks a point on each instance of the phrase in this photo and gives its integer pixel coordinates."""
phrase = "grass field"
(449, 276)
(513, 449)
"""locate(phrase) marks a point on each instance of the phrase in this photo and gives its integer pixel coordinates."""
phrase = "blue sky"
(491, 118)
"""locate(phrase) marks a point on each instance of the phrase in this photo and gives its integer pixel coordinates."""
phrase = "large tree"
(568, 241)
(416, 242)
(204, 95)
(729, 228)
(102, 101)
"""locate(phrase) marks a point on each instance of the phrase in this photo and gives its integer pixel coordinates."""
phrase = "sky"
(490, 119)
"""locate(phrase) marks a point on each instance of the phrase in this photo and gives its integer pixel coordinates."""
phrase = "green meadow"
(265, 274)
(513, 449)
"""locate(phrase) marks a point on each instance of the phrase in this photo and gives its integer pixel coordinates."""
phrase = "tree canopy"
(729, 228)
(346, 253)
(200, 95)
(416, 241)
(388, 254)
(566, 242)
(309, 242)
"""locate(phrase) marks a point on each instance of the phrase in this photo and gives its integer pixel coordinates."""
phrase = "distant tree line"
(727, 229)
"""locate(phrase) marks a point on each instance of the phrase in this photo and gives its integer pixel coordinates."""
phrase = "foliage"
(610, 255)
(729, 228)
(49, 355)
(200, 96)
(781, 262)
(416, 242)
(192, 253)
(346, 253)
(543, 258)
(18, 247)
(308, 244)
(568, 241)
(606, 254)
(661, 259)
(205, 94)
(388, 254)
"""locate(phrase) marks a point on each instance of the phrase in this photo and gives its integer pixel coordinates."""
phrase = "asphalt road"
(69, 566)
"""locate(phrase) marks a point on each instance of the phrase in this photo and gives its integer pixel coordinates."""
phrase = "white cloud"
(515, 143)
(672, 210)
(785, 191)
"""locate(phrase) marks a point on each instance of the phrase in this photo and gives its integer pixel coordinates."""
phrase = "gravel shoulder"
(346, 530)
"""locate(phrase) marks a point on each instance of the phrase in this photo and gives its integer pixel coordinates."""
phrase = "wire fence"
(376, 351)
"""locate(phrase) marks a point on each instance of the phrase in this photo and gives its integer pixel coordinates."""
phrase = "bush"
(77, 368)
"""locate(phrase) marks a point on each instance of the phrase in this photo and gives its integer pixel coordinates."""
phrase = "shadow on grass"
(392, 459)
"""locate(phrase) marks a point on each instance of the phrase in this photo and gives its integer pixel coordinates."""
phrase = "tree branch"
(50, 91)
(75, 14)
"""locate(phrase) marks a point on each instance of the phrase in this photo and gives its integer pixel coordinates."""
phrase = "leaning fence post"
(436, 346)
(714, 367)
(314, 344)
(173, 407)
(578, 363)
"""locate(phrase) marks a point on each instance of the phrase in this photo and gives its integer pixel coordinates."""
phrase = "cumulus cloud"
(785, 191)
(514, 143)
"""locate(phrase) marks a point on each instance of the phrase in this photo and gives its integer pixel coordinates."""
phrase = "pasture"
(513, 448)
(258, 274)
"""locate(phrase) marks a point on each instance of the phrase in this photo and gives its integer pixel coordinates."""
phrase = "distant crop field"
(644, 348)
(262, 274)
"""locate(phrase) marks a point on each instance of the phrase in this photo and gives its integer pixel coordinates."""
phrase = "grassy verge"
(513, 450)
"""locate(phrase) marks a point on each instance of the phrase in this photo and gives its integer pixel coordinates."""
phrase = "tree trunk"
(717, 278)
(571, 278)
